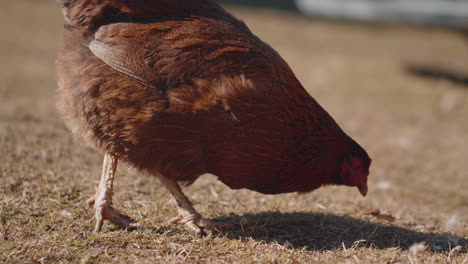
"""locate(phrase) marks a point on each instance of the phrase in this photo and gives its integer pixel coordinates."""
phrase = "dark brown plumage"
(179, 88)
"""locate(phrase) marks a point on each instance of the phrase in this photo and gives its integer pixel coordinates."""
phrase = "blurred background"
(393, 73)
(452, 13)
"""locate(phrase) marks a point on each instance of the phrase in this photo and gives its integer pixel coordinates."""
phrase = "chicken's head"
(354, 171)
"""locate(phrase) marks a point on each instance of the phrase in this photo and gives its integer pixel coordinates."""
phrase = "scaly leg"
(187, 214)
(102, 200)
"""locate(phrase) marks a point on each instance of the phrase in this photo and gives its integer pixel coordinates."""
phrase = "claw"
(199, 225)
(91, 200)
(121, 220)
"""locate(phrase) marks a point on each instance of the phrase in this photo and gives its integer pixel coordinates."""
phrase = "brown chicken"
(179, 88)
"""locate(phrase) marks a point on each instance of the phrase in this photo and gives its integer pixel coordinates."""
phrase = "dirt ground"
(400, 91)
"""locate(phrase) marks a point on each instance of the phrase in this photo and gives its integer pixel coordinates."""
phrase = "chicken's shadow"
(316, 231)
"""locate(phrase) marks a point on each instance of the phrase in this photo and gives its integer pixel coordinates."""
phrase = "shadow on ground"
(328, 232)
(434, 72)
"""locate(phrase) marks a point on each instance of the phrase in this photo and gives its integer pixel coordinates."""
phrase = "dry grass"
(414, 127)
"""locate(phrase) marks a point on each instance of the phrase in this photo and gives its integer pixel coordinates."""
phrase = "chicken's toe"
(199, 225)
(121, 220)
(91, 200)
(217, 226)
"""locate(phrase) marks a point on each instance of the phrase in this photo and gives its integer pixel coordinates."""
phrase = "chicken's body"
(180, 93)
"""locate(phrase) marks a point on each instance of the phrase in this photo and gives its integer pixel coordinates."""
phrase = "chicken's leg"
(187, 214)
(102, 200)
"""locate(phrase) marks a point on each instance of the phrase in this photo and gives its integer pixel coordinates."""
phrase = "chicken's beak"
(363, 188)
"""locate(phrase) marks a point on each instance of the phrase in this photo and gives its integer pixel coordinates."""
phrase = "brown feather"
(183, 88)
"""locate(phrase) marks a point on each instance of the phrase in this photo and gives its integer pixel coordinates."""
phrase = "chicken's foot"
(102, 200)
(187, 214)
